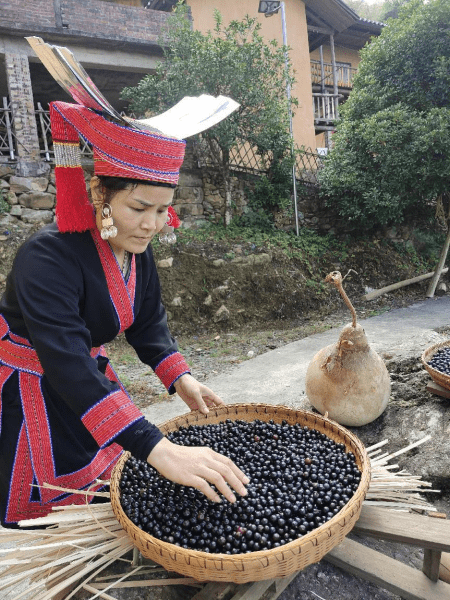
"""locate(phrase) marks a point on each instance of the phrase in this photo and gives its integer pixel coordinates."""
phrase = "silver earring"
(108, 229)
(167, 235)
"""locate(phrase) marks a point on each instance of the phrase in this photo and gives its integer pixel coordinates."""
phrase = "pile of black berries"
(300, 479)
(441, 361)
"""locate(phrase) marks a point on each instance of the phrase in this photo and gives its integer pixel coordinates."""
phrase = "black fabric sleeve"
(149, 334)
(140, 438)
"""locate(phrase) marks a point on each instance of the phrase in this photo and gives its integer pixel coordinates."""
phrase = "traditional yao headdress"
(149, 150)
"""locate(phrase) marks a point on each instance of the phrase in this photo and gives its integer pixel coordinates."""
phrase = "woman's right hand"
(198, 467)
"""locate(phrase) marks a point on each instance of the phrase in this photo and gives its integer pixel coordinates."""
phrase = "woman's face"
(139, 214)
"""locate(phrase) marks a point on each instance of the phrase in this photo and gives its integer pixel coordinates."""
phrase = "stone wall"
(199, 197)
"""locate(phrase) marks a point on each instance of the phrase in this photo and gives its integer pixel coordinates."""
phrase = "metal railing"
(307, 166)
(242, 158)
(45, 136)
(344, 74)
(7, 139)
(245, 158)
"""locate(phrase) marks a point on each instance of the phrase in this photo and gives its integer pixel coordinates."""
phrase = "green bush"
(4, 206)
(391, 150)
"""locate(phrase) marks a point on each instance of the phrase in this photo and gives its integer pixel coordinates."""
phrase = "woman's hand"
(196, 395)
(198, 467)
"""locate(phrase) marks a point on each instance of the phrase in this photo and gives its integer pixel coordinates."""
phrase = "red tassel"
(74, 212)
(173, 219)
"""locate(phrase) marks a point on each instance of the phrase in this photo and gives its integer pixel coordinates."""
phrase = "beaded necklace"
(126, 264)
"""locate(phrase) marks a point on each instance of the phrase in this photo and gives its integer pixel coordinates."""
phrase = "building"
(325, 37)
(117, 42)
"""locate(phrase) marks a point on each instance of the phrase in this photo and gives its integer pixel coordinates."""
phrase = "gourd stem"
(336, 279)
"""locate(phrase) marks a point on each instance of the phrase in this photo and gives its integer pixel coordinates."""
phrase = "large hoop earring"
(167, 235)
(108, 229)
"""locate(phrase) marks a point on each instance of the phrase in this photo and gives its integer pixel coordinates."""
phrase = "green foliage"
(4, 206)
(272, 192)
(391, 155)
(235, 61)
(371, 11)
(256, 219)
(307, 245)
(428, 244)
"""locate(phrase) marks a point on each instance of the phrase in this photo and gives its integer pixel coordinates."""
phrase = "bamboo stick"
(153, 583)
(106, 586)
(89, 588)
(400, 284)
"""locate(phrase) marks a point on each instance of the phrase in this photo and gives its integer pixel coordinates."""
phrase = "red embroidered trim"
(4, 327)
(20, 357)
(39, 440)
(34, 454)
(5, 373)
(19, 340)
(171, 368)
(122, 296)
(19, 504)
(113, 412)
(131, 283)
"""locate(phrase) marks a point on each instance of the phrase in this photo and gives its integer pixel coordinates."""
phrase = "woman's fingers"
(199, 468)
(196, 395)
(211, 398)
(223, 474)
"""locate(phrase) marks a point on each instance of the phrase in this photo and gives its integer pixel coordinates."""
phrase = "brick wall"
(93, 18)
(116, 21)
(27, 14)
(24, 121)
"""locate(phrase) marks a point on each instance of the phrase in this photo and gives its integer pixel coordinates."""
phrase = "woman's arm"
(150, 337)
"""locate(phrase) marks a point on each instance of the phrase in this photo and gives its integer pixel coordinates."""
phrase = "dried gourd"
(348, 379)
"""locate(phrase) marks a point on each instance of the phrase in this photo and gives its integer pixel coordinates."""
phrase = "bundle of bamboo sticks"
(394, 488)
(78, 542)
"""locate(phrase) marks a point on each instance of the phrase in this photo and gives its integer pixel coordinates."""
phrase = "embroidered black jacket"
(64, 417)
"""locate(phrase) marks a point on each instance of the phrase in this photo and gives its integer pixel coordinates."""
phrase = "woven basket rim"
(439, 377)
(311, 539)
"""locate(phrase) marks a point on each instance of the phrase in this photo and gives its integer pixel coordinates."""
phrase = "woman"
(64, 417)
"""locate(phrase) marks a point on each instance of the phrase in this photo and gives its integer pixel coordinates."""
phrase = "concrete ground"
(278, 376)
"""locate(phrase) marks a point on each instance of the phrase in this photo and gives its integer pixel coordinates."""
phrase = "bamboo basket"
(440, 378)
(265, 564)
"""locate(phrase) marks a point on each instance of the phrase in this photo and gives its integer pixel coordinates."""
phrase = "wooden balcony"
(344, 75)
(326, 110)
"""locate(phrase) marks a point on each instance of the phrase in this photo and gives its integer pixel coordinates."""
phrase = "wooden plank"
(94, 590)
(431, 563)
(241, 590)
(435, 388)
(406, 528)
(215, 591)
(386, 572)
(281, 585)
(254, 591)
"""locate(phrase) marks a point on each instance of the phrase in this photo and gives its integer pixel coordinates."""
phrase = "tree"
(234, 61)
(391, 150)
(372, 11)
